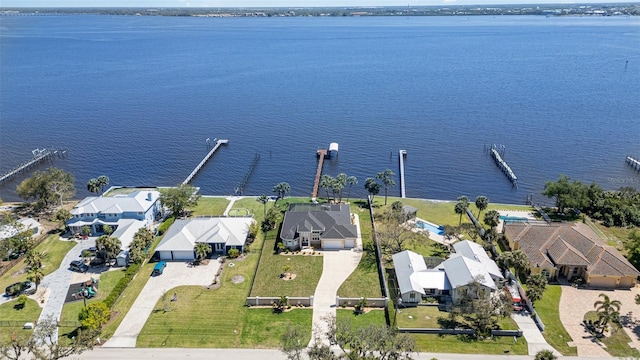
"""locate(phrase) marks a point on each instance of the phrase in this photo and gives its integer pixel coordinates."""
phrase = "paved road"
(532, 334)
(175, 274)
(263, 354)
(58, 282)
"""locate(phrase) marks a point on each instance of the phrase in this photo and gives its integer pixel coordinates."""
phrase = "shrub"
(121, 285)
(165, 225)
(233, 253)
(94, 315)
(545, 355)
(21, 302)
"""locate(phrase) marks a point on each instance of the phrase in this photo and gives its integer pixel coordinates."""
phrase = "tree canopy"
(47, 187)
(178, 198)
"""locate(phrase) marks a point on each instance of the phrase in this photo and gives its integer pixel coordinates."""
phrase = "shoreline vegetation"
(625, 9)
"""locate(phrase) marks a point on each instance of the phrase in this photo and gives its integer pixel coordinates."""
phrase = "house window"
(412, 295)
(315, 236)
(139, 213)
(575, 270)
(545, 273)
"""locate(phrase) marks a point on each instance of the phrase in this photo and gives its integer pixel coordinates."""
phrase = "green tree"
(386, 177)
(14, 347)
(178, 198)
(351, 180)
(568, 194)
(520, 261)
(481, 203)
(202, 250)
(109, 245)
(35, 275)
(545, 355)
(93, 186)
(326, 182)
(47, 186)
(292, 342)
(282, 189)
(144, 236)
(86, 230)
(338, 185)
(103, 181)
(372, 187)
(536, 284)
(35, 259)
(45, 344)
(394, 238)
(632, 246)
(480, 311)
(608, 312)
(263, 199)
(461, 207)
(492, 218)
(281, 304)
(270, 221)
(107, 229)
(233, 253)
(94, 315)
(62, 216)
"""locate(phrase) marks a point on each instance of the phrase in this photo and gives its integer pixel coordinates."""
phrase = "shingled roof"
(332, 221)
(573, 244)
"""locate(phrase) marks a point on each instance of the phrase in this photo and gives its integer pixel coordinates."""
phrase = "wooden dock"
(243, 183)
(204, 161)
(504, 167)
(635, 164)
(402, 154)
(39, 156)
(322, 154)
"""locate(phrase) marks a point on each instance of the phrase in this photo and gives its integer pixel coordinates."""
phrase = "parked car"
(78, 266)
(159, 268)
(26, 287)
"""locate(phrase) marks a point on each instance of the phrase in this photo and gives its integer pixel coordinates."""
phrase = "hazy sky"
(266, 3)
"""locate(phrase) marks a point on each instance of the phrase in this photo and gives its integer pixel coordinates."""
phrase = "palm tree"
(326, 182)
(110, 245)
(492, 218)
(93, 186)
(339, 184)
(461, 207)
(263, 200)
(481, 203)
(34, 259)
(608, 311)
(35, 275)
(386, 178)
(202, 250)
(107, 229)
(86, 230)
(282, 189)
(351, 180)
(372, 186)
(103, 180)
(520, 261)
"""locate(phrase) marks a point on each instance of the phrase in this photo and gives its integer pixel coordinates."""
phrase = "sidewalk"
(532, 334)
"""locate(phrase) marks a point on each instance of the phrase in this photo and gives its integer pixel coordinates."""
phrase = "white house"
(115, 211)
(320, 226)
(222, 233)
(24, 224)
(449, 279)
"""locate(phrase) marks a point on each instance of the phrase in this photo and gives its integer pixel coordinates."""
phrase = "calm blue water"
(426, 226)
(135, 98)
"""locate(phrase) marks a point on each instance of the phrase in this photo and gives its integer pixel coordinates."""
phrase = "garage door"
(349, 244)
(165, 255)
(627, 282)
(332, 244)
(602, 282)
(183, 255)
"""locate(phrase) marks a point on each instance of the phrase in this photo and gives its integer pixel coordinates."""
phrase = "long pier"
(247, 175)
(504, 166)
(402, 154)
(635, 164)
(39, 155)
(322, 154)
(204, 161)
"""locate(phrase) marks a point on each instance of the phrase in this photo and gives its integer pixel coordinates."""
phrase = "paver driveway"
(574, 303)
(175, 274)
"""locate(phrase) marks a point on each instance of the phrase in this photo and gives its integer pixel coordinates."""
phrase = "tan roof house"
(571, 250)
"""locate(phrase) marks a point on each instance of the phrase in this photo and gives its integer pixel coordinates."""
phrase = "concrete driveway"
(574, 303)
(175, 274)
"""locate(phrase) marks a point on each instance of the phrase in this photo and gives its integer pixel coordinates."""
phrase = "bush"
(233, 253)
(165, 225)
(121, 285)
(94, 315)
(545, 355)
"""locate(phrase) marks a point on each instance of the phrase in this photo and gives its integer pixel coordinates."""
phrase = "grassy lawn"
(617, 341)
(56, 250)
(458, 344)
(307, 268)
(419, 317)
(548, 310)
(70, 310)
(210, 206)
(127, 190)
(263, 328)
(16, 318)
(363, 282)
(371, 317)
(437, 212)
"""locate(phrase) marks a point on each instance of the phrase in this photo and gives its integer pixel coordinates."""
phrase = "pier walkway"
(39, 155)
(635, 164)
(322, 154)
(504, 167)
(204, 161)
(402, 154)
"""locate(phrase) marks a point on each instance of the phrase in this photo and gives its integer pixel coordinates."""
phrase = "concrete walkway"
(532, 334)
(336, 268)
(175, 274)
(58, 282)
(232, 201)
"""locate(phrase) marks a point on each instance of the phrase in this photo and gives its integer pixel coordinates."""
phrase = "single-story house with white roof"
(24, 224)
(450, 278)
(222, 233)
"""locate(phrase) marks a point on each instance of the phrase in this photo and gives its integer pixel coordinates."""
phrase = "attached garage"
(176, 255)
(349, 243)
(332, 244)
(627, 282)
(605, 282)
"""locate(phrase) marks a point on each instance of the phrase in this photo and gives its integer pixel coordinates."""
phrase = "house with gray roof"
(324, 226)
(570, 251)
(449, 279)
(221, 233)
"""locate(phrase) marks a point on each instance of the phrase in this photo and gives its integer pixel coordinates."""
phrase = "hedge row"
(165, 225)
(121, 285)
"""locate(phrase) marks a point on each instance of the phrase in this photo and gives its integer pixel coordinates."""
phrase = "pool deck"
(514, 213)
(435, 237)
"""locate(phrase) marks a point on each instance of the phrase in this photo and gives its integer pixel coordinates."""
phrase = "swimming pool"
(513, 219)
(432, 228)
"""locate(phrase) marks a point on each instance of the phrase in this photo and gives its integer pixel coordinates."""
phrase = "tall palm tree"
(35, 275)
(351, 180)
(372, 186)
(608, 311)
(93, 186)
(103, 180)
(481, 203)
(110, 245)
(326, 182)
(34, 259)
(386, 178)
(202, 250)
(339, 184)
(263, 200)
(461, 207)
(520, 261)
(492, 218)
(282, 189)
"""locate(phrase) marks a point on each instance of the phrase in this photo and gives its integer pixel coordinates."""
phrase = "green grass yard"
(263, 328)
(548, 310)
(457, 344)
(210, 206)
(13, 319)
(617, 341)
(371, 317)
